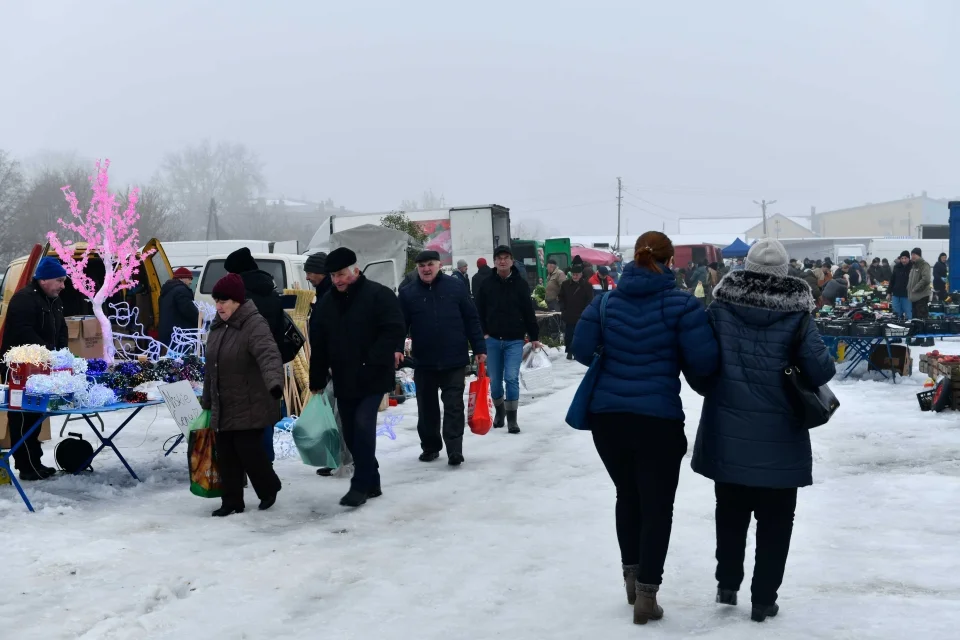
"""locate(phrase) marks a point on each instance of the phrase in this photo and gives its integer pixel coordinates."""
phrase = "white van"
(286, 269)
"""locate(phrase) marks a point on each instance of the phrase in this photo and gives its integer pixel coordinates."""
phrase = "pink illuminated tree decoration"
(110, 235)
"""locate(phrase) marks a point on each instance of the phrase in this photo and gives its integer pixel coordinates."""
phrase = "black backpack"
(71, 453)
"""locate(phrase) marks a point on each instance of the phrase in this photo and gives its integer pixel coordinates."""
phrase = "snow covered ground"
(518, 543)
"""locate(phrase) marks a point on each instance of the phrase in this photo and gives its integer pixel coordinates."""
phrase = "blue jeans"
(902, 306)
(503, 366)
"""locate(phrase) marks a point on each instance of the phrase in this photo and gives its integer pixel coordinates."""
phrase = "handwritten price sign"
(182, 403)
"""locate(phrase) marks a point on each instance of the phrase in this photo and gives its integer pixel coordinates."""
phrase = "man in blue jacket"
(441, 320)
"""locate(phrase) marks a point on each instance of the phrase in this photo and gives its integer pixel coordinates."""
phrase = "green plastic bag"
(202, 421)
(202, 457)
(316, 435)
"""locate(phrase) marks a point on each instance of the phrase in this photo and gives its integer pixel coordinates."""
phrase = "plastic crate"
(835, 328)
(935, 307)
(867, 330)
(925, 399)
(951, 309)
(898, 331)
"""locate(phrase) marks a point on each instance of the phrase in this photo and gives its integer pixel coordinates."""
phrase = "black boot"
(512, 425)
(569, 355)
(761, 612)
(429, 456)
(354, 498)
(376, 492)
(326, 472)
(455, 460)
(226, 510)
(267, 502)
(500, 416)
(727, 596)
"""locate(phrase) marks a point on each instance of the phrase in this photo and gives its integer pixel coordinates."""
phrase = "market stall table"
(105, 441)
(859, 349)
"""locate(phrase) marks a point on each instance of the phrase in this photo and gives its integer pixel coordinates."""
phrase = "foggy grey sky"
(701, 106)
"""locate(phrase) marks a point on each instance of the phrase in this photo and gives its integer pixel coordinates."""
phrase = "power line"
(763, 207)
(653, 213)
(659, 206)
(569, 206)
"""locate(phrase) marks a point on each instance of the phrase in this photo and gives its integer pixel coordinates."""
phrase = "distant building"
(898, 218)
(780, 226)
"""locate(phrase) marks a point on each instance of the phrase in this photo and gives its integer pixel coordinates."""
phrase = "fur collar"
(765, 291)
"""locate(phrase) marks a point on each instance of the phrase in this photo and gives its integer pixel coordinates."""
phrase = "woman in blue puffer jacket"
(751, 443)
(651, 333)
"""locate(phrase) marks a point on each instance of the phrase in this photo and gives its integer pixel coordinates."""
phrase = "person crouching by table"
(242, 389)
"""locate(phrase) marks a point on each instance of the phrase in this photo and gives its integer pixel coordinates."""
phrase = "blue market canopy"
(738, 249)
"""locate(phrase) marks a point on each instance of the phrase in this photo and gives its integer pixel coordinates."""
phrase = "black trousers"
(568, 332)
(921, 308)
(642, 456)
(359, 419)
(27, 457)
(239, 454)
(774, 510)
(450, 384)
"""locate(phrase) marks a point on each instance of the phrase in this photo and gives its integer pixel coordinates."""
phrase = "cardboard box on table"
(85, 339)
(902, 362)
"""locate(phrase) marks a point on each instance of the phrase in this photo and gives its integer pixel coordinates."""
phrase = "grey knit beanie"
(767, 256)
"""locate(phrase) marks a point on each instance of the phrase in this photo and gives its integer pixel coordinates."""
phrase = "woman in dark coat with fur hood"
(751, 443)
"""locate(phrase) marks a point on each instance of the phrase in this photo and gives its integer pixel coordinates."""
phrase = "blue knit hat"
(50, 269)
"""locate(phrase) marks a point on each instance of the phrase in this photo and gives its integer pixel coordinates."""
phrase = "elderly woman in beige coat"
(242, 389)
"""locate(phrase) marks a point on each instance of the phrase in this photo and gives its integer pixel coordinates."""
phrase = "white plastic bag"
(536, 371)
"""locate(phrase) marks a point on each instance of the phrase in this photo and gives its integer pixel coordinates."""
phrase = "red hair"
(652, 250)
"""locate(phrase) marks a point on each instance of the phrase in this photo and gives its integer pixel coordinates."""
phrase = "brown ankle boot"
(630, 582)
(646, 607)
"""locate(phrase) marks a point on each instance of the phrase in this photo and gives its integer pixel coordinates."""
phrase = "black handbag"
(292, 340)
(816, 405)
(72, 452)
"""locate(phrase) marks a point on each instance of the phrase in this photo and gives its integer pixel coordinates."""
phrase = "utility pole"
(763, 207)
(213, 224)
(619, 199)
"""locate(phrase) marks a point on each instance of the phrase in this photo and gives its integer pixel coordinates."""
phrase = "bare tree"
(11, 193)
(43, 204)
(530, 229)
(428, 202)
(158, 217)
(229, 173)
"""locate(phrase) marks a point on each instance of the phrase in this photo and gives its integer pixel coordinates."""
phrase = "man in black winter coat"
(35, 316)
(898, 290)
(483, 272)
(358, 328)
(260, 288)
(576, 294)
(176, 305)
(506, 316)
(441, 320)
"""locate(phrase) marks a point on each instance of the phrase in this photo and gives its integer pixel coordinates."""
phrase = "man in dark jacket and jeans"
(358, 328)
(898, 292)
(176, 305)
(507, 316)
(441, 320)
(35, 316)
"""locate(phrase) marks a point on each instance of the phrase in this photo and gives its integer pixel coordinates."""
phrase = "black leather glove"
(276, 392)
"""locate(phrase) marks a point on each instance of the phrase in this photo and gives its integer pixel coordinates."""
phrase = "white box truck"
(460, 233)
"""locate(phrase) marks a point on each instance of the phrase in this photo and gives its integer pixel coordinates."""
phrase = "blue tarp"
(738, 249)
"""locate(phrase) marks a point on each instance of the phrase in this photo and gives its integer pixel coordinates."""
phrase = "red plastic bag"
(480, 407)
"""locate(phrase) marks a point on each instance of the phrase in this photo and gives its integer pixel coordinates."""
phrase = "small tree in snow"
(109, 235)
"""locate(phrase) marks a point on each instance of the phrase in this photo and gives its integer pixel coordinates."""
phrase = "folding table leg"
(108, 442)
(174, 445)
(6, 457)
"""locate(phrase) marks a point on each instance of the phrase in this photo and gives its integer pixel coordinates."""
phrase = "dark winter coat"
(356, 336)
(876, 273)
(322, 289)
(653, 332)
(33, 318)
(506, 309)
(408, 280)
(441, 319)
(886, 272)
(900, 279)
(810, 278)
(261, 289)
(940, 276)
(575, 297)
(176, 309)
(482, 274)
(836, 288)
(749, 434)
(244, 373)
(462, 277)
(921, 277)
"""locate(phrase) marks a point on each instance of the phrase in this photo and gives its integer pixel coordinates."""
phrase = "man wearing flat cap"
(355, 335)
(442, 321)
